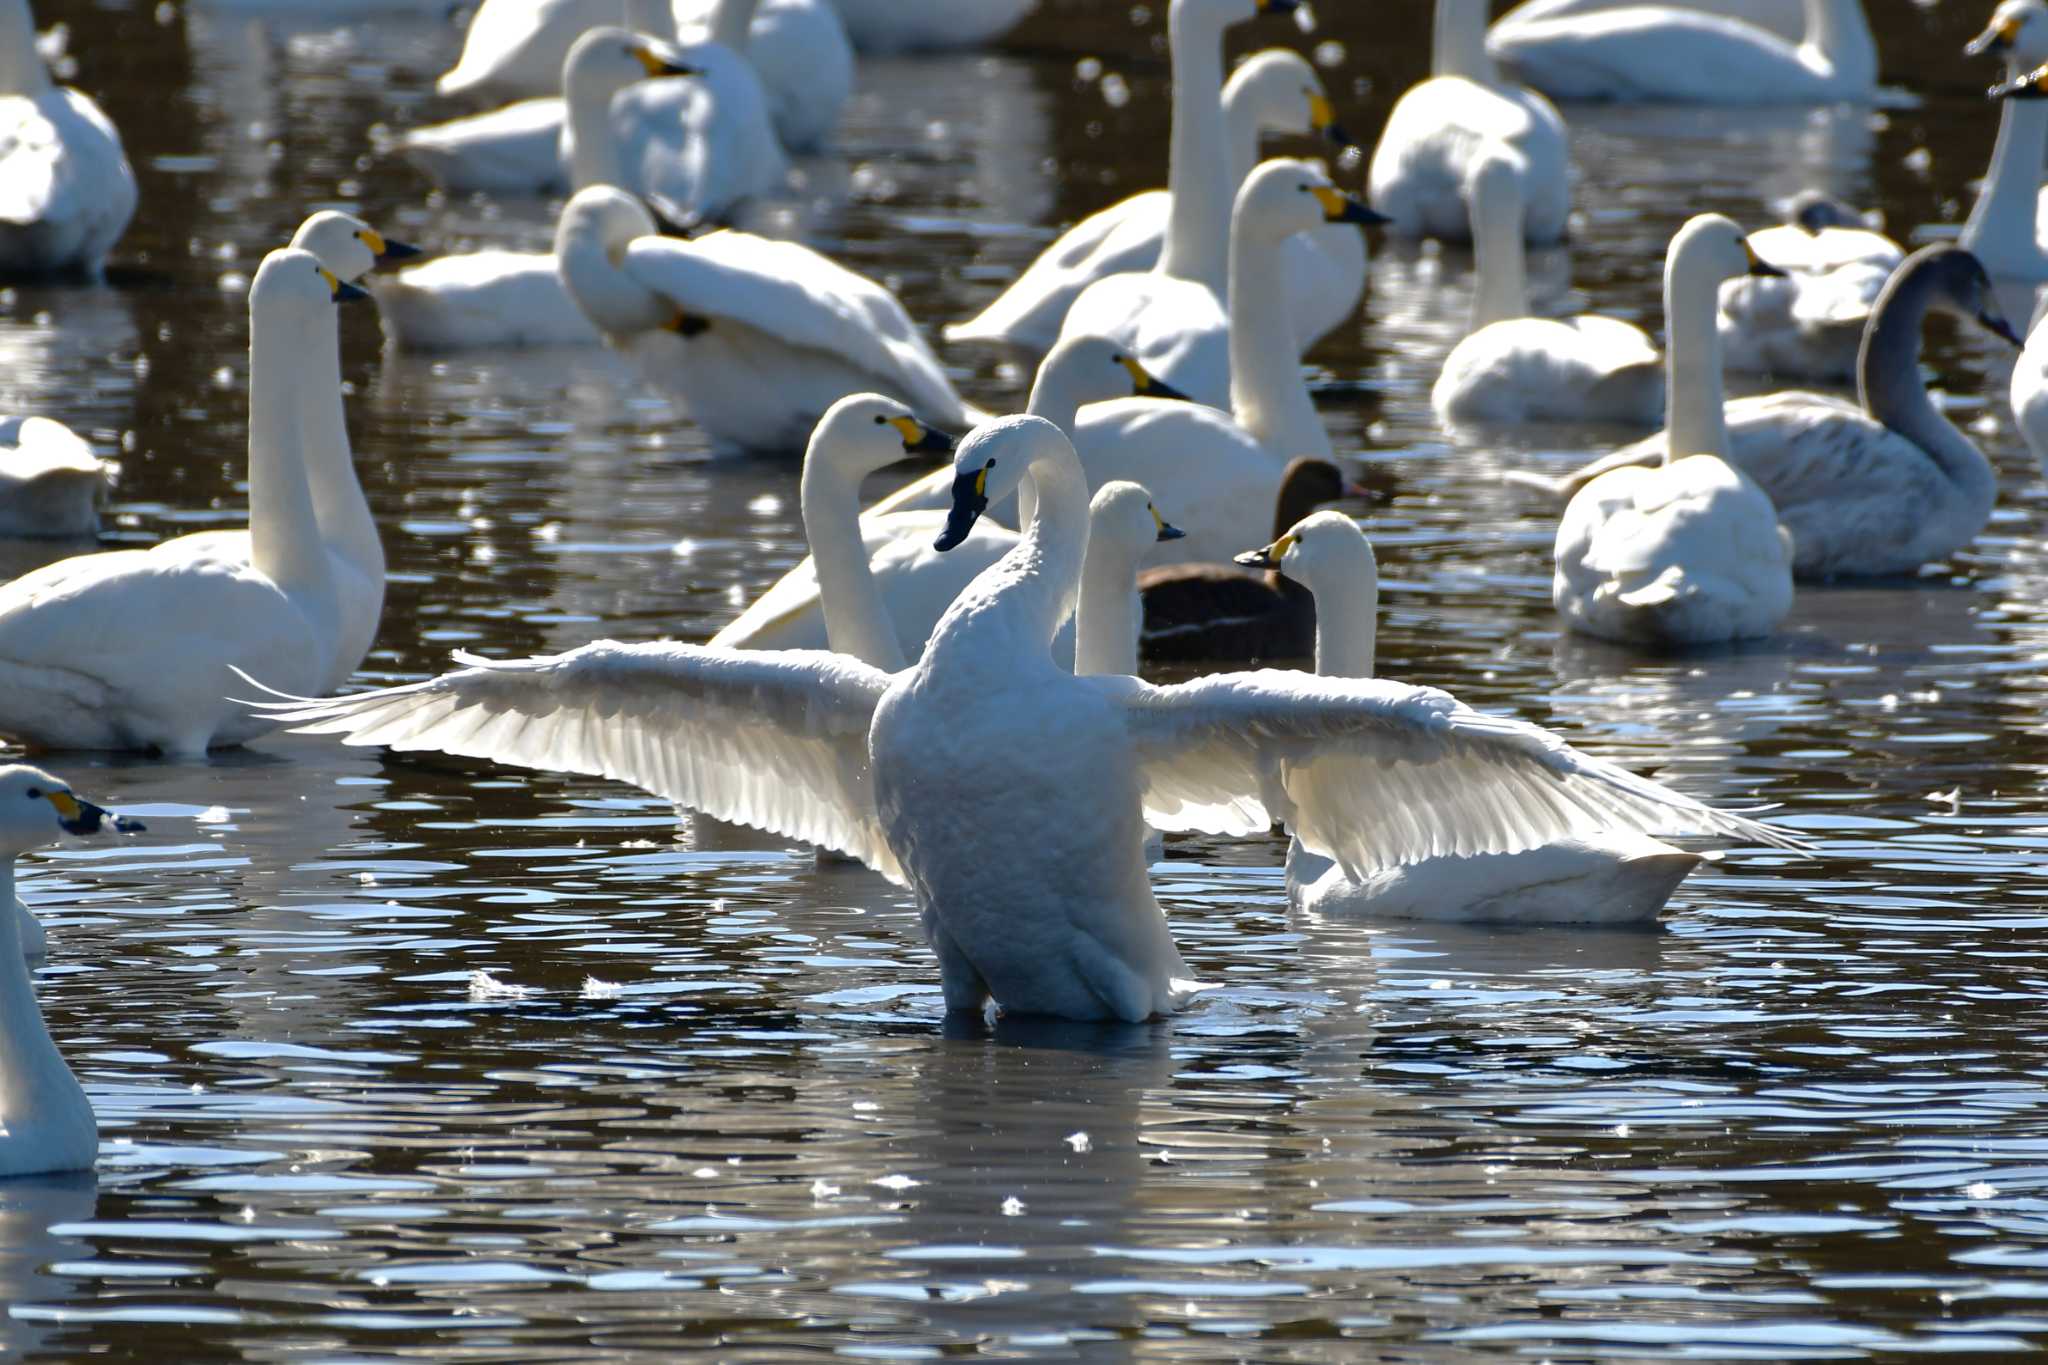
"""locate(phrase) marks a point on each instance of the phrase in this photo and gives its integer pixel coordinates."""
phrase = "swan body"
(1422, 164)
(1808, 322)
(2008, 225)
(1275, 91)
(886, 26)
(1673, 54)
(50, 480)
(1515, 368)
(481, 298)
(1786, 18)
(132, 649)
(756, 337)
(1689, 551)
(66, 192)
(2030, 393)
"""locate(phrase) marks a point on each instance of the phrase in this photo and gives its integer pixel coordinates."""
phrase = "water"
(426, 1058)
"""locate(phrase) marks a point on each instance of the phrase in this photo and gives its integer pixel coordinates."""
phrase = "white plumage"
(2008, 225)
(928, 25)
(1807, 323)
(481, 298)
(66, 193)
(50, 481)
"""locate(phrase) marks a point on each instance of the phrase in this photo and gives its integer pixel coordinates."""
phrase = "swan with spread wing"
(1010, 795)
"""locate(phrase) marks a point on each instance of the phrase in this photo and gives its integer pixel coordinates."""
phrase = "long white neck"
(21, 67)
(1838, 34)
(2001, 224)
(856, 618)
(1106, 620)
(1268, 395)
(32, 1072)
(1502, 290)
(1056, 396)
(1347, 623)
(587, 143)
(1695, 419)
(1241, 128)
(284, 532)
(1459, 48)
(346, 525)
(1197, 174)
(730, 22)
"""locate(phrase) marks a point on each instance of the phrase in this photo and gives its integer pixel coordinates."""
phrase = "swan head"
(991, 462)
(1121, 515)
(864, 432)
(347, 245)
(1285, 95)
(2018, 32)
(591, 237)
(35, 807)
(1962, 286)
(1081, 370)
(295, 283)
(1712, 247)
(1284, 196)
(1324, 551)
(606, 60)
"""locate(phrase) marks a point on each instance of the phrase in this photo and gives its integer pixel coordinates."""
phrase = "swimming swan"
(1275, 91)
(1807, 323)
(756, 337)
(1673, 54)
(50, 480)
(132, 649)
(1517, 368)
(1884, 485)
(1421, 167)
(1010, 795)
(66, 193)
(1689, 551)
(2008, 225)
(1612, 879)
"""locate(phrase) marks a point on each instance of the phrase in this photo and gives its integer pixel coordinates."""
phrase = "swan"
(1010, 795)
(1420, 167)
(2030, 391)
(1122, 525)
(911, 584)
(1782, 17)
(1883, 485)
(1689, 551)
(131, 649)
(1224, 467)
(66, 192)
(1671, 54)
(1517, 368)
(756, 337)
(1612, 879)
(50, 480)
(885, 26)
(2006, 224)
(490, 298)
(1275, 91)
(1172, 316)
(46, 1122)
(1807, 323)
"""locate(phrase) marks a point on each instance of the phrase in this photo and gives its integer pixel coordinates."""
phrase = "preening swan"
(133, 649)
(50, 480)
(1011, 795)
(1883, 487)
(928, 25)
(1689, 551)
(46, 1123)
(1616, 879)
(1515, 368)
(1670, 53)
(1421, 167)
(1807, 323)
(756, 337)
(2008, 225)
(1275, 91)
(66, 193)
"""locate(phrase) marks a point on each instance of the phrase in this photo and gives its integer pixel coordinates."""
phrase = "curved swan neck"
(29, 1061)
(1047, 562)
(1108, 615)
(1198, 219)
(1268, 395)
(1055, 396)
(21, 66)
(1838, 33)
(346, 523)
(1695, 419)
(284, 533)
(731, 22)
(1888, 377)
(588, 144)
(2008, 203)
(857, 620)
(1502, 290)
(1459, 44)
(1242, 126)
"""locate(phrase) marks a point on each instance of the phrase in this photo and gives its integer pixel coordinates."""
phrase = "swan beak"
(1167, 530)
(970, 500)
(1339, 207)
(2032, 86)
(1323, 119)
(1146, 385)
(660, 64)
(83, 817)
(919, 439)
(342, 291)
(385, 250)
(1278, 6)
(1758, 266)
(1992, 321)
(1267, 558)
(687, 325)
(672, 219)
(1995, 41)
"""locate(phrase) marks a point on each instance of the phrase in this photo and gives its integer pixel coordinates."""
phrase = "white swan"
(1670, 53)
(1881, 486)
(1517, 368)
(756, 337)
(1123, 526)
(50, 481)
(1615, 879)
(1011, 795)
(1421, 166)
(66, 193)
(1172, 317)
(1807, 323)
(46, 1122)
(908, 585)
(928, 25)
(2008, 225)
(1275, 91)
(1786, 18)
(1689, 551)
(132, 649)
(2030, 391)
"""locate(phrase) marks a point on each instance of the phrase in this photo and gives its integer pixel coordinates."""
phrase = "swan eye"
(35, 793)
(880, 420)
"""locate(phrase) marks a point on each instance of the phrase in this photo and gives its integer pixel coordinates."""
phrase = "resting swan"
(1614, 879)
(2008, 225)
(50, 480)
(1807, 323)
(132, 649)
(1884, 485)
(1672, 54)
(756, 337)
(1689, 551)
(928, 25)
(1275, 91)
(1421, 168)
(1517, 368)
(1782, 17)
(1010, 795)
(66, 193)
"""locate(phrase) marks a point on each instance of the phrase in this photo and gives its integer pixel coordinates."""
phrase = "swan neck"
(1459, 44)
(2008, 202)
(1106, 620)
(1347, 622)
(730, 23)
(284, 532)
(1888, 380)
(1268, 395)
(1695, 420)
(346, 524)
(1198, 220)
(1055, 541)
(857, 620)
(21, 66)
(590, 148)
(1241, 129)
(1838, 32)
(29, 1061)
(1502, 291)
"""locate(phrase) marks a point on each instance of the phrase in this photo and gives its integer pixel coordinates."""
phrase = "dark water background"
(706, 1101)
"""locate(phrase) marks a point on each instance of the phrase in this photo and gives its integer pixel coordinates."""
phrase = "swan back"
(591, 237)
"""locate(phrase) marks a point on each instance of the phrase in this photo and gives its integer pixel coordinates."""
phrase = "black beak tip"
(1168, 531)
(1361, 213)
(345, 292)
(1765, 270)
(1252, 559)
(933, 442)
(1157, 389)
(949, 539)
(2002, 329)
(127, 825)
(397, 251)
(1335, 133)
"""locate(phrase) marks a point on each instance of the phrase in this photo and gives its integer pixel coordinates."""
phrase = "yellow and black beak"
(387, 250)
(1995, 41)
(1758, 266)
(919, 439)
(1339, 207)
(687, 324)
(1146, 385)
(1268, 557)
(2032, 86)
(340, 290)
(1166, 529)
(1279, 6)
(970, 500)
(83, 817)
(659, 63)
(1323, 118)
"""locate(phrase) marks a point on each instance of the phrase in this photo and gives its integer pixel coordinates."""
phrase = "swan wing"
(1381, 774)
(773, 739)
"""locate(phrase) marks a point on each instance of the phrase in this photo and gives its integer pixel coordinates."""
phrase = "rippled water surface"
(425, 1058)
